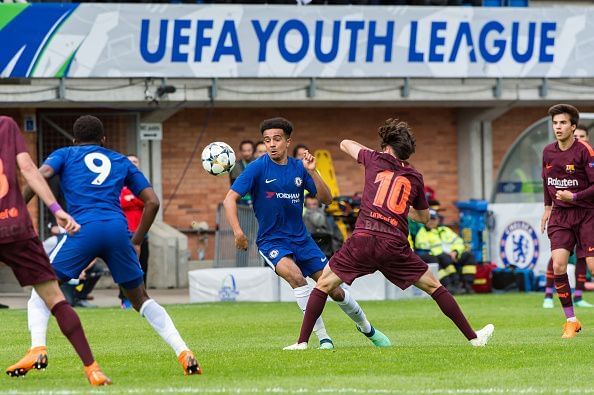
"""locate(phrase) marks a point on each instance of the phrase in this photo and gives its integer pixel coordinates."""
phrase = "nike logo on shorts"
(267, 181)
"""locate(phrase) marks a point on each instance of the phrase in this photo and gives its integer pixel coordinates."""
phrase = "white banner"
(240, 284)
(261, 284)
(136, 40)
(516, 239)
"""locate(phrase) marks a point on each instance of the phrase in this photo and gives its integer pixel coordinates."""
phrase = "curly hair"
(88, 129)
(277, 123)
(398, 135)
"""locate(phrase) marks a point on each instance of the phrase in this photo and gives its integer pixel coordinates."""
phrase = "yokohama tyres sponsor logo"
(282, 195)
(562, 183)
(294, 197)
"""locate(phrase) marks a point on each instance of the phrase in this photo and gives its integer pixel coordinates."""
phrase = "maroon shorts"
(28, 261)
(571, 227)
(364, 254)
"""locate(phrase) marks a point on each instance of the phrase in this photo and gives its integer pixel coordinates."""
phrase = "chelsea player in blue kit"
(92, 178)
(277, 184)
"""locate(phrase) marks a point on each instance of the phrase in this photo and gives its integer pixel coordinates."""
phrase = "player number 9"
(102, 170)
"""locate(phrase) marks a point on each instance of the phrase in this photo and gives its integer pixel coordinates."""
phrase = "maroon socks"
(564, 293)
(450, 308)
(313, 311)
(550, 284)
(71, 327)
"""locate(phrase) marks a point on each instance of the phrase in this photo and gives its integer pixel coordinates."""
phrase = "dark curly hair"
(398, 135)
(88, 129)
(277, 123)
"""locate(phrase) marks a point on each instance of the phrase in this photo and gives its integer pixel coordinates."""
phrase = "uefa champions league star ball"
(218, 158)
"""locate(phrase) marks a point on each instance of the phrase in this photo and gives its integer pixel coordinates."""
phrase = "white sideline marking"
(280, 390)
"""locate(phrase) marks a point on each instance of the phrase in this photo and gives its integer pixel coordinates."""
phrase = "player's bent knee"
(296, 282)
(134, 290)
(295, 279)
(559, 267)
(428, 282)
(328, 287)
(337, 294)
(49, 292)
(137, 300)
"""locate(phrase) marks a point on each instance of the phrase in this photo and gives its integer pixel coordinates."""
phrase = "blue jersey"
(277, 193)
(91, 178)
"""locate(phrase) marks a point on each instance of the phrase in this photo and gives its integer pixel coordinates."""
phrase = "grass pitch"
(239, 346)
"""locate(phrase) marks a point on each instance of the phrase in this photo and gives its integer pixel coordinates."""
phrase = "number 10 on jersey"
(397, 198)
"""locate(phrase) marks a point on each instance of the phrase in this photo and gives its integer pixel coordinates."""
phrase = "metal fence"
(55, 131)
(226, 255)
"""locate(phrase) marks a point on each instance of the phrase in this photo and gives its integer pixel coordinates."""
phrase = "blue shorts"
(108, 240)
(307, 255)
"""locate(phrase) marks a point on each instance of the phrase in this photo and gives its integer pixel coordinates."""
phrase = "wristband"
(54, 208)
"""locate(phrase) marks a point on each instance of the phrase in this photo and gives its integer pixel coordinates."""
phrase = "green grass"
(239, 347)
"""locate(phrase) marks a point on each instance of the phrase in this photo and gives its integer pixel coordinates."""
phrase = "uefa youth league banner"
(127, 40)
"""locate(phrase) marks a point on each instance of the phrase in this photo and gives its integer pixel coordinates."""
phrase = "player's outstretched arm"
(151, 207)
(352, 148)
(323, 192)
(230, 204)
(37, 184)
(421, 216)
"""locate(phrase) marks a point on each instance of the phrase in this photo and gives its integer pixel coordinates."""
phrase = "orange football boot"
(96, 376)
(189, 363)
(570, 329)
(36, 358)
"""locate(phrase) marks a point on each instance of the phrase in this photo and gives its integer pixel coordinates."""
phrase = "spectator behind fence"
(244, 157)
(260, 149)
(132, 207)
(437, 243)
(322, 227)
(299, 151)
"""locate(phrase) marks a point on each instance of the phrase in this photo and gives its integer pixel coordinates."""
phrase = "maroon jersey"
(572, 170)
(391, 187)
(15, 223)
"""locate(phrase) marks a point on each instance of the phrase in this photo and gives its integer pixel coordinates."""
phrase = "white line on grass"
(280, 390)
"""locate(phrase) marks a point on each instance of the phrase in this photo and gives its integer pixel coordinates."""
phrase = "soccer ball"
(218, 158)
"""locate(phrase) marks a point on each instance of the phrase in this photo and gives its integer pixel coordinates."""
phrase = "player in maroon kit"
(580, 133)
(392, 190)
(568, 179)
(21, 249)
